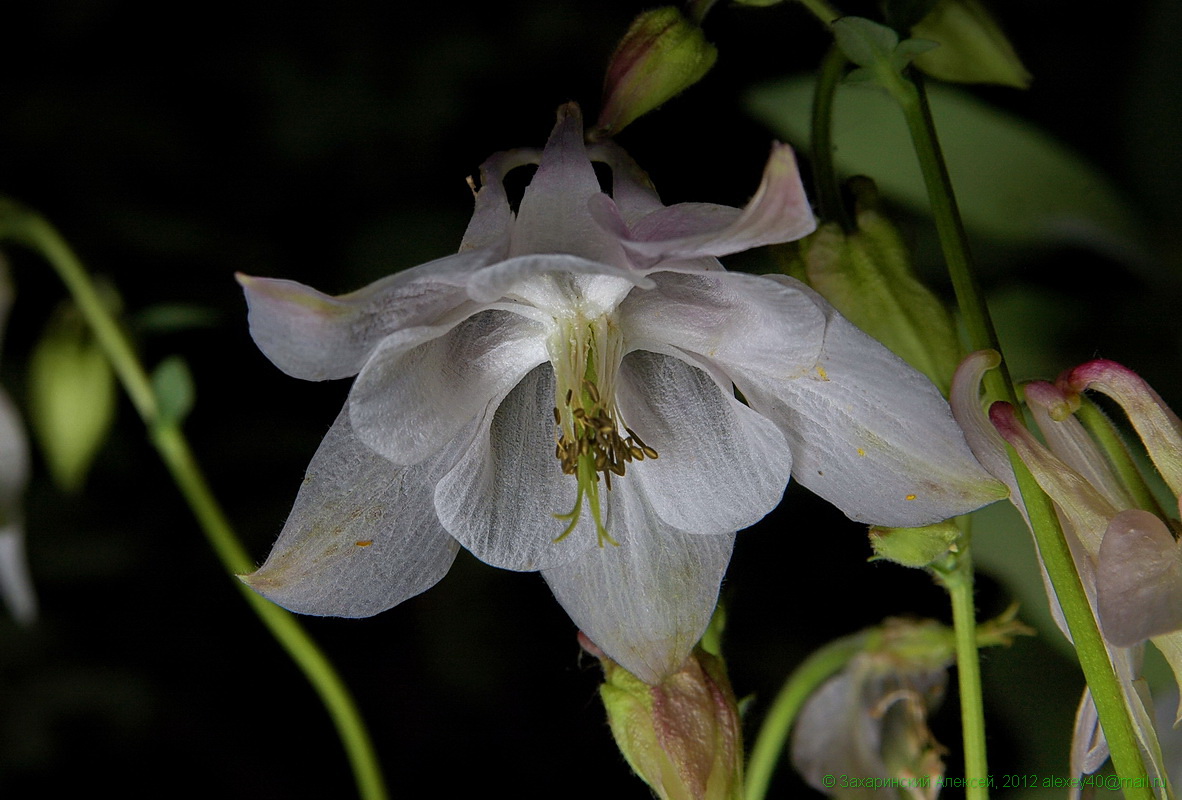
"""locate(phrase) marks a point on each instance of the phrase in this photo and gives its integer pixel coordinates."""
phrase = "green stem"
(1104, 433)
(770, 743)
(35, 232)
(821, 10)
(957, 578)
(1052, 546)
(829, 204)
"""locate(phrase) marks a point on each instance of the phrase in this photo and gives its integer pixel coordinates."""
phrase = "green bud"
(661, 55)
(71, 397)
(175, 392)
(867, 276)
(972, 48)
(915, 547)
(682, 737)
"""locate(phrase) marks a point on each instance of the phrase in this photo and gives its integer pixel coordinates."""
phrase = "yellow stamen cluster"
(595, 434)
(589, 439)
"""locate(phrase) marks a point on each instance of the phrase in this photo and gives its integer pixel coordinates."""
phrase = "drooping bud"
(972, 48)
(1158, 426)
(681, 737)
(868, 276)
(915, 547)
(661, 55)
(1138, 579)
(868, 723)
(71, 397)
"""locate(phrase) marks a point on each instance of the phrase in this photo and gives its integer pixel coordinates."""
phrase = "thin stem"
(1052, 546)
(35, 232)
(821, 10)
(829, 204)
(1104, 433)
(770, 743)
(957, 578)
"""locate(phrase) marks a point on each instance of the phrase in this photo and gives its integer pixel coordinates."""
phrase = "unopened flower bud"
(661, 55)
(868, 277)
(972, 48)
(71, 397)
(1157, 425)
(915, 547)
(682, 736)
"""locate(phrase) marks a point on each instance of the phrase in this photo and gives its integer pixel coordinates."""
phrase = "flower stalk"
(1052, 545)
(33, 231)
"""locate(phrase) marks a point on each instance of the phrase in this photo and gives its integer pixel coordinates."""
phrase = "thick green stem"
(825, 180)
(821, 10)
(33, 231)
(1052, 546)
(957, 578)
(773, 734)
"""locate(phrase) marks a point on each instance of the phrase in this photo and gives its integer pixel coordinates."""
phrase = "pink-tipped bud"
(683, 736)
(1159, 427)
(661, 55)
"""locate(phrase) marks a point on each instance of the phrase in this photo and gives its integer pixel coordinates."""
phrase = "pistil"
(589, 440)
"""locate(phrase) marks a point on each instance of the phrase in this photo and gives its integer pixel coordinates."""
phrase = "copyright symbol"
(828, 781)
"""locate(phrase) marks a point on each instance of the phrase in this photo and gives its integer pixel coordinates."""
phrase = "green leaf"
(175, 391)
(1014, 183)
(864, 41)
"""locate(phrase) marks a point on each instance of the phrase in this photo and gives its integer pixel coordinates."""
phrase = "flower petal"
(500, 498)
(16, 584)
(422, 385)
(362, 536)
(871, 434)
(312, 336)
(553, 216)
(646, 602)
(492, 219)
(721, 466)
(1138, 579)
(633, 194)
(779, 212)
(747, 322)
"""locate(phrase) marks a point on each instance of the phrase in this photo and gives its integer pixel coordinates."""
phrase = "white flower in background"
(561, 396)
(16, 586)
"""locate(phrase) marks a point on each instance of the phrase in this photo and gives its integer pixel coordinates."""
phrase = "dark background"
(329, 145)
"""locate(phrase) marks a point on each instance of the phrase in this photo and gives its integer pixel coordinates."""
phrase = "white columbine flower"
(561, 396)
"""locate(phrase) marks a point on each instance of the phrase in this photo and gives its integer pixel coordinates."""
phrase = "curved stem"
(829, 204)
(30, 229)
(770, 743)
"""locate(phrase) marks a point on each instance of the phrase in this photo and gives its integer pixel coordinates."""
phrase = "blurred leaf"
(71, 397)
(175, 391)
(169, 317)
(1014, 183)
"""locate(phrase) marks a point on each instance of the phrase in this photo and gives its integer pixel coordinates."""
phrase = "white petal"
(553, 216)
(731, 319)
(632, 191)
(872, 435)
(721, 466)
(492, 219)
(362, 536)
(551, 281)
(312, 336)
(423, 385)
(779, 212)
(646, 602)
(500, 499)
(16, 585)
